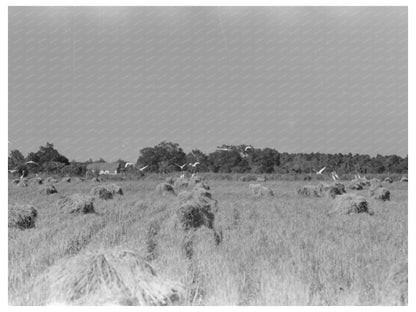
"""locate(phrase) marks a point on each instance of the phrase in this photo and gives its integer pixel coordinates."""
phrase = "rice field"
(283, 249)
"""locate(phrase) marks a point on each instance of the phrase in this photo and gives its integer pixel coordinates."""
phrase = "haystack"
(197, 208)
(350, 203)
(51, 180)
(101, 192)
(388, 180)
(22, 216)
(114, 188)
(362, 182)
(336, 189)
(375, 183)
(66, 179)
(260, 190)
(261, 179)
(248, 178)
(77, 203)
(170, 180)
(95, 179)
(380, 193)
(404, 179)
(355, 186)
(110, 277)
(48, 189)
(16, 181)
(195, 180)
(164, 188)
(180, 184)
(310, 190)
(35, 181)
(22, 183)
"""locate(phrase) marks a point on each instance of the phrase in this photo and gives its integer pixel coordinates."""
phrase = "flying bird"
(183, 166)
(248, 147)
(194, 164)
(31, 162)
(128, 164)
(320, 171)
(334, 175)
(141, 169)
(13, 171)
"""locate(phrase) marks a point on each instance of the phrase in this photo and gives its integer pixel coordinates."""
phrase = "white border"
(4, 122)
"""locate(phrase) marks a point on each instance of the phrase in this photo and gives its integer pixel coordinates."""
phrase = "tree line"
(166, 157)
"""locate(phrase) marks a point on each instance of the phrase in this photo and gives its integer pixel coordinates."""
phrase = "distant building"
(104, 168)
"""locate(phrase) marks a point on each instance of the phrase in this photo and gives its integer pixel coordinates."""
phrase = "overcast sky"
(108, 81)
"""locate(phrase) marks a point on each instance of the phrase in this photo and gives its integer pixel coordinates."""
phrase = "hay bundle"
(350, 203)
(380, 193)
(260, 190)
(404, 179)
(396, 285)
(22, 216)
(261, 179)
(95, 179)
(101, 192)
(195, 180)
(248, 178)
(197, 208)
(51, 180)
(35, 181)
(203, 185)
(118, 276)
(310, 190)
(48, 189)
(170, 180)
(22, 183)
(336, 189)
(16, 181)
(114, 188)
(164, 188)
(307, 178)
(355, 186)
(180, 184)
(76, 203)
(388, 180)
(375, 183)
(66, 179)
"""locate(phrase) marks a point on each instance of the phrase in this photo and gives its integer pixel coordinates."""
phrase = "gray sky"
(108, 81)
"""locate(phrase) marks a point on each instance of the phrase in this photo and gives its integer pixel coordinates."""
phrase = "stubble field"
(275, 250)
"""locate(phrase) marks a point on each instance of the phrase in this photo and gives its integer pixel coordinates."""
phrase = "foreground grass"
(283, 250)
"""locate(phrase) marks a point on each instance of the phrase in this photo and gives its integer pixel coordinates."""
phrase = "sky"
(109, 81)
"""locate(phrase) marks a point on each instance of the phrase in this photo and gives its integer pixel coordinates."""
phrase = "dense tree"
(162, 157)
(16, 158)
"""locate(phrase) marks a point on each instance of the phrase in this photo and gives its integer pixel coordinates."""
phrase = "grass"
(281, 250)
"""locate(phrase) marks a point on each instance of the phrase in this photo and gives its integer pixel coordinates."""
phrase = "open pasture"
(282, 249)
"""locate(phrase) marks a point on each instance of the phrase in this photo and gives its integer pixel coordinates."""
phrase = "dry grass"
(22, 216)
(107, 277)
(280, 250)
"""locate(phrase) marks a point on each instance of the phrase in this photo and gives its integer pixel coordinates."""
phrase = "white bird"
(12, 171)
(334, 175)
(182, 172)
(320, 171)
(223, 149)
(248, 147)
(141, 169)
(31, 162)
(183, 166)
(194, 164)
(128, 164)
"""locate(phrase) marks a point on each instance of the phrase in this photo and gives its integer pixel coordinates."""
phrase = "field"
(280, 250)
